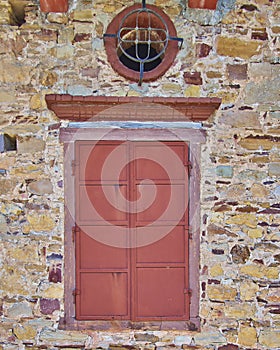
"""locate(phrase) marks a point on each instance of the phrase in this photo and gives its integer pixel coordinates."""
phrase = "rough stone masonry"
(232, 53)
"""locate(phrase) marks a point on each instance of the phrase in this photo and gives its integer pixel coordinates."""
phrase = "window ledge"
(85, 108)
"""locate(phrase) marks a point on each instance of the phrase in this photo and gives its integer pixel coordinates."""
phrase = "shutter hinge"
(188, 291)
(189, 166)
(190, 232)
(75, 293)
(74, 164)
(75, 230)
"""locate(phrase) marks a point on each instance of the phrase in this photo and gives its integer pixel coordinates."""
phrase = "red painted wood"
(54, 5)
(203, 4)
(147, 282)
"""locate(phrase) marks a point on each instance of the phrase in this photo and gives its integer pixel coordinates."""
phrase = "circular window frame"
(111, 46)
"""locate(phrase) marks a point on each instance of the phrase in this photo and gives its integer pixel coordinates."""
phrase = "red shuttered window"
(132, 230)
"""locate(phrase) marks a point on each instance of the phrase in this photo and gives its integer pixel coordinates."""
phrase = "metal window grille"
(149, 43)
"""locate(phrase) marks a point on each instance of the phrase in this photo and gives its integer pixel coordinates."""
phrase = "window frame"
(194, 138)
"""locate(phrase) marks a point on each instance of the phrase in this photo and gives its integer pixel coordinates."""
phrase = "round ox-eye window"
(141, 43)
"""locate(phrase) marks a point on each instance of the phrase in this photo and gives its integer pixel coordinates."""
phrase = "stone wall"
(232, 53)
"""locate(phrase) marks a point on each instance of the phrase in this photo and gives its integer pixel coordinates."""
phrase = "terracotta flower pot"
(54, 5)
(203, 4)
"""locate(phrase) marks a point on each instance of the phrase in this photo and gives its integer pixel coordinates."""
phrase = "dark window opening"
(143, 51)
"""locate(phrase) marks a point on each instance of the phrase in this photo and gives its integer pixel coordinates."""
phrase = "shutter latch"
(188, 291)
(75, 293)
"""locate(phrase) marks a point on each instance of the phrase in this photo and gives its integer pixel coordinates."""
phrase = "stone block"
(192, 91)
(24, 332)
(264, 91)
(221, 293)
(7, 96)
(13, 72)
(240, 254)
(260, 271)
(23, 254)
(193, 78)
(53, 291)
(237, 71)
(48, 306)
(248, 290)
(41, 222)
(30, 145)
(40, 187)
(247, 336)
(274, 169)
(206, 338)
(85, 15)
(7, 186)
(63, 338)
(259, 142)
(180, 340)
(20, 310)
(247, 219)
(240, 119)
(270, 338)
(146, 337)
(225, 171)
(235, 47)
(259, 191)
(202, 50)
(241, 311)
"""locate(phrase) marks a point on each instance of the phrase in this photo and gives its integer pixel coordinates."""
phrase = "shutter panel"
(102, 270)
(149, 281)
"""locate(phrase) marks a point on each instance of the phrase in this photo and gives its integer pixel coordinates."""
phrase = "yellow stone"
(41, 222)
(192, 91)
(255, 233)
(12, 281)
(54, 291)
(241, 311)
(216, 270)
(14, 72)
(227, 97)
(7, 162)
(259, 191)
(247, 336)
(270, 338)
(260, 271)
(48, 79)
(172, 87)
(247, 219)
(83, 15)
(234, 47)
(25, 332)
(37, 101)
(25, 254)
(7, 96)
(221, 293)
(254, 143)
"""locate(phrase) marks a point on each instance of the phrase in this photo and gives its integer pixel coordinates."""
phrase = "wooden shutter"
(146, 281)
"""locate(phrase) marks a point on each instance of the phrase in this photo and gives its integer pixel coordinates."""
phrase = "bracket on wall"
(97, 108)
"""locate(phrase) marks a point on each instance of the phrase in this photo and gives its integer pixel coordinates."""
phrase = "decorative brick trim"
(84, 108)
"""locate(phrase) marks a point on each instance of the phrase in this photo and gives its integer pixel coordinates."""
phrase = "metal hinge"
(189, 166)
(74, 164)
(75, 230)
(190, 232)
(75, 293)
(188, 291)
